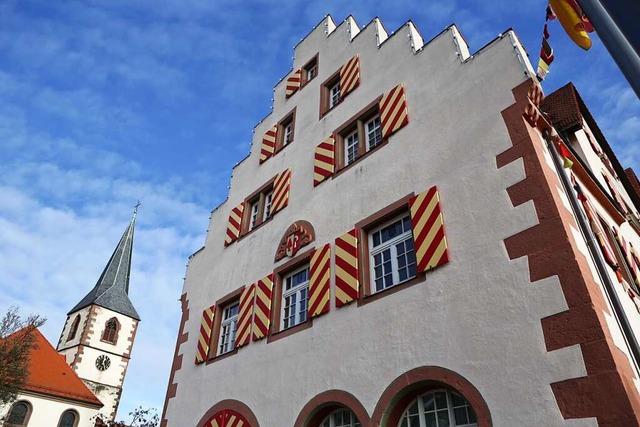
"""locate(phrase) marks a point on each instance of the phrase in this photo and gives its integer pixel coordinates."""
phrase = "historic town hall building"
(418, 238)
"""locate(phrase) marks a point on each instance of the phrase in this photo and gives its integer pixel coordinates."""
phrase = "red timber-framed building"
(404, 247)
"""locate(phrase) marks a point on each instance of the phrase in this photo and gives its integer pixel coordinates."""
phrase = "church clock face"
(103, 362)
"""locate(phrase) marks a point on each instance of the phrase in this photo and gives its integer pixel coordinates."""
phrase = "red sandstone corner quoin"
(172, 387)
(552, 250)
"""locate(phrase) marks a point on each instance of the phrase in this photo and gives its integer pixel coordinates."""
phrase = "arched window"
(68, 419)
(74, 328)
(342, 417)
(19, 415)
(110, 333)
(438, 408)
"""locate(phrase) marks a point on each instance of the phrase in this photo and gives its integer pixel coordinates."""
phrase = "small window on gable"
(358, 137)
(110, 333)
(310, 71)
(74, 328)
(19, 415)
(260, 207)
(286, 128)
(330, 94)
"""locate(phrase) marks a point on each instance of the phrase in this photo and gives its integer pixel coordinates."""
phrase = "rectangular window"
(310, 70)
(295, 289)
(228, 328)
(358, 136)
(267, 206)
(330, 95)
(259, 207)
(255, 209)
(334, 95)
(373, 132)
(351, 147)
(286, 131)
(392, 258)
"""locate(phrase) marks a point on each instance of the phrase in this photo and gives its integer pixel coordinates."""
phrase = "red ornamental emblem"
(293, 244)
(298, 235)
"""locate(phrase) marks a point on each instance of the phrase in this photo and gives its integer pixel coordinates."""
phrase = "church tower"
(98, 334)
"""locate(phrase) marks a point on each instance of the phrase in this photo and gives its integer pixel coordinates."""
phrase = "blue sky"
(107, 102)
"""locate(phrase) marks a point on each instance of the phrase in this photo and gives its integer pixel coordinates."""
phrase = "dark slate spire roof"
(112, 289)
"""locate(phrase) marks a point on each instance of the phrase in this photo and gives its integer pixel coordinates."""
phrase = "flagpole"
(615, 41)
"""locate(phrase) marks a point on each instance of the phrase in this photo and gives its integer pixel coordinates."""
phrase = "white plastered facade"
(479, 315)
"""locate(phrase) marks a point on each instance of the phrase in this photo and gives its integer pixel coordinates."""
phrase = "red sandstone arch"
(220, 414)
(407, 386)
(321, 405)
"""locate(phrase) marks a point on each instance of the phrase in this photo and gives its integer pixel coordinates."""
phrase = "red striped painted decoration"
(262, 317)
(428, 230)
(320, 281)
(324, 160)
(350, 76)
(347, 284)
(281, 191)
(206, 326)
(293, 83)
(234, 224)
(393, 111)
(245, 313)
(227, 418)
(268, 144)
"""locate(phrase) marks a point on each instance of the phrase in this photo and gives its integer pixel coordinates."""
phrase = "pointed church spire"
(112, 289)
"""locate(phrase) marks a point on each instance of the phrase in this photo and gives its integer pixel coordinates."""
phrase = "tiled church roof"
(49, 374)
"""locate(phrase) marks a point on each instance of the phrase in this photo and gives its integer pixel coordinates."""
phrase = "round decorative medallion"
(103, 362)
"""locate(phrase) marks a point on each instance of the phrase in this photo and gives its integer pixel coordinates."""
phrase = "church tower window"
(74, 328)
(110, 333)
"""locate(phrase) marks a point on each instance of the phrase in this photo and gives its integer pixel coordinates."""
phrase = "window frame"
(276, 331)
(214, 339)
(450, 408)
(74, 328)
(331, 418)
(257, 198)
(106, 339)
(75, 415)
(363, 228)
(311, 64)
(357, 123)
(224, 322)
(296, 290)
(391, 245)
(24, 422)
(325, 94)
(289, 119)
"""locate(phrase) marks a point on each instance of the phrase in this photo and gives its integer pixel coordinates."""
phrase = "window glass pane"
(472, 415)
(429, 402)
(441, 400)
(461, 415)
(334, 95)
(267, 206)
(68, 419)
(18, 413)
(374, 132)
(443, 418)
(351, 147)
(430, 419)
